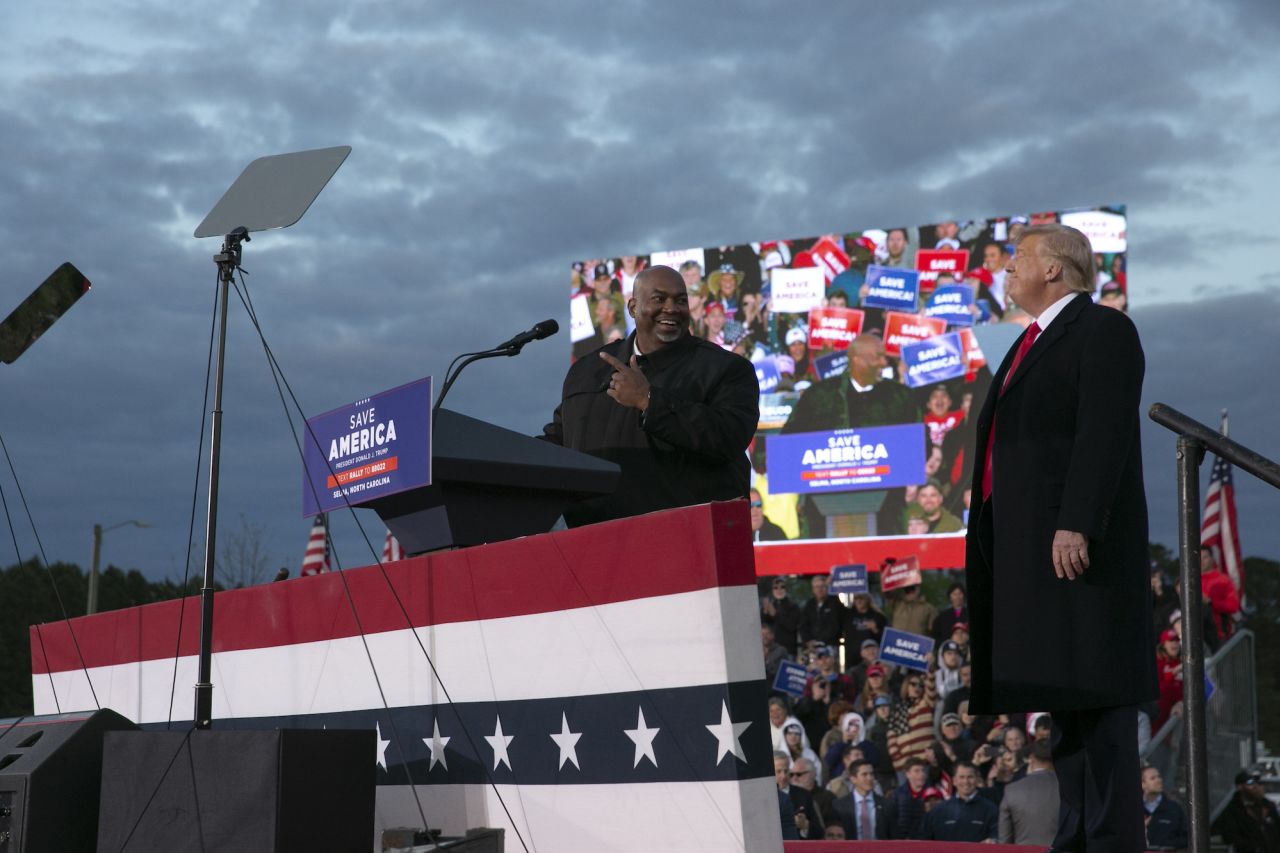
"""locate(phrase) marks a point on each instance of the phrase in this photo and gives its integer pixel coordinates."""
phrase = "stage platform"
(902, 847)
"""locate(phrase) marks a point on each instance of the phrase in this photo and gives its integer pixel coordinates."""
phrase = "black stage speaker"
(238, 791)
(50, 768)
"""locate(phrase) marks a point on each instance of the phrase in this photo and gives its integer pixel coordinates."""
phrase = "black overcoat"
(1066, 457)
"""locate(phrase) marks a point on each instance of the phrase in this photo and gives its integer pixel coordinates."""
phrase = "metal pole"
(1190, 452)
(227, 261)
(92, 606)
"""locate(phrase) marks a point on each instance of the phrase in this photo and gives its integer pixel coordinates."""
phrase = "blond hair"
(1070, 248)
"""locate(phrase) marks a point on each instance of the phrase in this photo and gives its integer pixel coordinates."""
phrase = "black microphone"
(545, 329)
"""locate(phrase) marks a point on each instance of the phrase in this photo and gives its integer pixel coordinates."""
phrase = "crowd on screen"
(730, 304)
(872, 750)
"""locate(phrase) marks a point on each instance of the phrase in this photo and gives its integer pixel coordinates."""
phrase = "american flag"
(391, 550)
(1219, 527)
(316, 560)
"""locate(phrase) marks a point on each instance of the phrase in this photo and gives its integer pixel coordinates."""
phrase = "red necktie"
(1033, 332)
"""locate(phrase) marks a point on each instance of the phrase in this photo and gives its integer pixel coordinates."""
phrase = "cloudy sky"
(495, 143)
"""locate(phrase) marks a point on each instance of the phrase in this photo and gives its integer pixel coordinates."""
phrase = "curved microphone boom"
(545, 329)
(512, 347)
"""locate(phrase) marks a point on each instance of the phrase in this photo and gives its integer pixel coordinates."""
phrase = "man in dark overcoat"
(1056, 554)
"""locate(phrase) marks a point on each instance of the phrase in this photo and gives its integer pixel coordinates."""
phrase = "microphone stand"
(509, 351)
(228, 261)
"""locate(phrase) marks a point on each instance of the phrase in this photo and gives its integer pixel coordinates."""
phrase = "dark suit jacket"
(846, 809)
(770, 532)
(802, 802)
(787, 814)
(1167, 829)
(1029, 807)
(1066, 457)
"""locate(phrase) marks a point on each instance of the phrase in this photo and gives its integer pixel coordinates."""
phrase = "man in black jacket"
(782, 613)
(762, 529)
(822, 617)
(675, 412)
(967, 816)
(808, 821)
(904, 807)
(1250, 822)
(857, 398)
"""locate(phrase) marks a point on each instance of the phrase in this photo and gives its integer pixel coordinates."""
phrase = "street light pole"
(92, 605)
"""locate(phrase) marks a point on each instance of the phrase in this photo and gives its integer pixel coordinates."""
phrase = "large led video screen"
(864, 451)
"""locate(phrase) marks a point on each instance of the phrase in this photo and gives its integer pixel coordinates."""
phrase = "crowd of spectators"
(731, 304)
(1220, 614)
(873, 750)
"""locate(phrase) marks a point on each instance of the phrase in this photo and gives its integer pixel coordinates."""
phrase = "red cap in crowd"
(960, 626)
(713, 306)
(875, 669)
(1169, 634)
(982, 274)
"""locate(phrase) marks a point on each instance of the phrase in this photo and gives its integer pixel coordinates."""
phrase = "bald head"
(866, 359)
(659, 275)
(660, 306)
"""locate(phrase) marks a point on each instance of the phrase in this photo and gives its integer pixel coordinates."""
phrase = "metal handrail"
(1237, 454)
(1193, 439)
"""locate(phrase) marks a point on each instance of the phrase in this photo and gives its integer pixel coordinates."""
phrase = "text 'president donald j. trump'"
(1057, 549)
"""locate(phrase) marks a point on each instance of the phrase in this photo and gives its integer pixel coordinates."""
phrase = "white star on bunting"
(499, 743)
(382, 747)
(436, 744)
(727, 733)
(567, 741)
(642, 736)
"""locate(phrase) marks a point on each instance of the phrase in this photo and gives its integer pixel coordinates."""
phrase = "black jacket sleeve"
(719, 428)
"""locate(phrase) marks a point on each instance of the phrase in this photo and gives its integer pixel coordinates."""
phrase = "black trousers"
(1095, 756)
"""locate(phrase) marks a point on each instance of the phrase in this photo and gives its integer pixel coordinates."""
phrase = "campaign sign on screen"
(905, 649)
(826, 254)
(767, 375)
(831, 364)
(791, 678)
(775, 408)
(935, 360)
(851, 579)
(795, 291)
(580, 327)
(892, 288)
(951, 302)
(834, 328)
(846, 460)
(370, 449)
(901, 329)
(933, 262)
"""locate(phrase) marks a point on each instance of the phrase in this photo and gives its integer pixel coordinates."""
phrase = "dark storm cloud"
(1203, 357)
(490, 150)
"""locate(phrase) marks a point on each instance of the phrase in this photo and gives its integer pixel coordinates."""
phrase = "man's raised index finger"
(613, 362)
